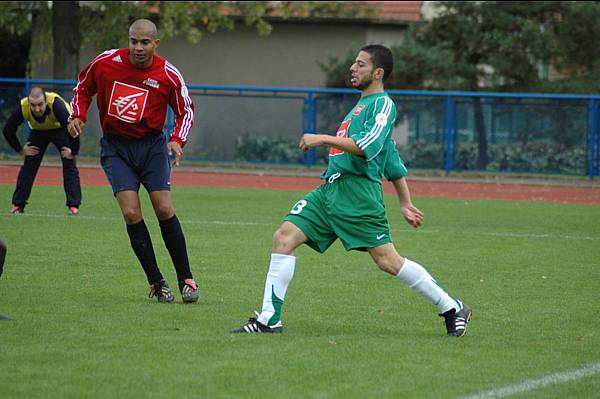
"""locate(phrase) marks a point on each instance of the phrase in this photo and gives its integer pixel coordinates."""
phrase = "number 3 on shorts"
(297, 208)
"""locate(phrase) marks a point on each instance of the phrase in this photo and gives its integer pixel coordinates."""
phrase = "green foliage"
(272, 149)
(103, 23)
(494, 46)
(532, 157)
(317, 9)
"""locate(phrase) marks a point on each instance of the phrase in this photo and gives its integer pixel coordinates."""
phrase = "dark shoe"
(162, 292)
(189, 290)
(16, 209)
(456, 322)
(254, 326)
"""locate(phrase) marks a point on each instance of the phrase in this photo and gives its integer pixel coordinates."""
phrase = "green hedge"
(272, 149)
(534, 157)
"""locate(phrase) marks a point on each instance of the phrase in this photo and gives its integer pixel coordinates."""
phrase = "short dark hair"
(36, 92)
(382, 58)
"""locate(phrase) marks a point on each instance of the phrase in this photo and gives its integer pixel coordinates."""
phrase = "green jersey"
(394, 167)
(370, 125)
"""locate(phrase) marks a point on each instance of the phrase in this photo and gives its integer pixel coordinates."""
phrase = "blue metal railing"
(310, 109)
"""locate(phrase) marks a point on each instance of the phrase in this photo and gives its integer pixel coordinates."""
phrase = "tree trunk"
(65, 33)
(482, 143)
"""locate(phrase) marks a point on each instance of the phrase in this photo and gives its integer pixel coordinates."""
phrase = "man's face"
(142, 46)
(38, 105)
(363, 71)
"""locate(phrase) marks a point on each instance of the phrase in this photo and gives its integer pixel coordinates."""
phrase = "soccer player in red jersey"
(133, 87)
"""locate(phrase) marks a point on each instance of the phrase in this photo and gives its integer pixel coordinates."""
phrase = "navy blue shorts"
(127, 163)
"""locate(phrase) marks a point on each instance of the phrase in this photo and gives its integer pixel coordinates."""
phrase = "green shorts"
(350, 207)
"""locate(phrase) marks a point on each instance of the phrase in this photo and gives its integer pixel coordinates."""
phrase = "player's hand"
(30, 150)
(75, 127)
(413, 215)
(174, 147)
(66, 153)
(309, 141)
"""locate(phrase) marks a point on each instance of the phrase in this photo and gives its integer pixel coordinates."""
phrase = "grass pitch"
(83, 325)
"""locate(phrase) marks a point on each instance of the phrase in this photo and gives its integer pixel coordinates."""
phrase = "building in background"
(288, 57)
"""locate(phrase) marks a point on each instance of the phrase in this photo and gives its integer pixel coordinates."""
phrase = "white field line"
(530, 385)
(274, 225)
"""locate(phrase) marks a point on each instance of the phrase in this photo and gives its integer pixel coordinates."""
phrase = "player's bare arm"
(411, 213)
(341, 143)
(75, 127)
(175, 147)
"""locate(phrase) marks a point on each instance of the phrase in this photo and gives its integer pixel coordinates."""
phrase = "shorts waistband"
(120, 137)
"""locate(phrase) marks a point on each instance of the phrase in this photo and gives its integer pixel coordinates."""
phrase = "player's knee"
(132, 215)
(388, 263)
(164, 211)
(282, 241)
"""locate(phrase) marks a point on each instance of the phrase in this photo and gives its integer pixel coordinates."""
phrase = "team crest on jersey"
(358, 109)
(342, 132)
(151, 83)
(127, 102)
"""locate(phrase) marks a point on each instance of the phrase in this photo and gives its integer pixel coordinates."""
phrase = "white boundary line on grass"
(530, 385)
(222, 222)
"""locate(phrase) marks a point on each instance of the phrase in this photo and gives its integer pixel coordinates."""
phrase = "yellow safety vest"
(50, 122)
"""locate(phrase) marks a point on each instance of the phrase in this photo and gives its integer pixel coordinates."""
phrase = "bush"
(272, 149)
(532, 157)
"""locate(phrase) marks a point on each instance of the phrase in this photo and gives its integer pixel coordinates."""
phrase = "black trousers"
(41, 138)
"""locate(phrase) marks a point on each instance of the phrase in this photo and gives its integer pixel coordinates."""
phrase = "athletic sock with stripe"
(421, 281)
(281, 271)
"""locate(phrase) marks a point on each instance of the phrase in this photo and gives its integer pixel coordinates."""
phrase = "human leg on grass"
(141, 243)
(174, 240)
(279, 276)
(455, 313)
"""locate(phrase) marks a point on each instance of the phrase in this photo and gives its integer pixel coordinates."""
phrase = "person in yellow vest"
(47, 114)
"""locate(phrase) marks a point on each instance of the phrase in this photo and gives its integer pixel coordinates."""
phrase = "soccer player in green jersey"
(349, 204)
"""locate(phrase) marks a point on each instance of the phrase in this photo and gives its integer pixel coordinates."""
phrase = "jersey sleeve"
(60, 112)
(182, 105)
(394, 167)
(10, 129)
(86, 88)
(377, 127)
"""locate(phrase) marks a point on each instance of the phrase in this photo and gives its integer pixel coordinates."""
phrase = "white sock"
(281, 271)
(421, 281)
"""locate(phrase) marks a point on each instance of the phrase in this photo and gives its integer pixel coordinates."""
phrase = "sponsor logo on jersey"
(127, 102)
(381, 119)
(380, 236)
(342, 132)
(151, 83)
(358, 109)
(117, 59)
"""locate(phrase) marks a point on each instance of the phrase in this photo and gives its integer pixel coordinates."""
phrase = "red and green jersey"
(370, 125)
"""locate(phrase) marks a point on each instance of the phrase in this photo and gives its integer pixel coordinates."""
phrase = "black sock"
(142, 246)
(175, 243)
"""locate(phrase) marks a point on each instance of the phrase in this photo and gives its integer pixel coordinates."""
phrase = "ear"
(378, 74)
(157, 42)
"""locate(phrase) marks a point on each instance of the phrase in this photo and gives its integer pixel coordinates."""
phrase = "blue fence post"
(25, 130)
(595, 141)
(592, 132)
(449, 146)
(309, 125)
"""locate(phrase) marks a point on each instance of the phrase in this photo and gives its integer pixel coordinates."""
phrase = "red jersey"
(132, 101)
